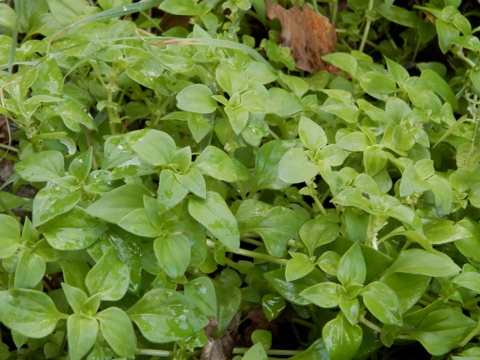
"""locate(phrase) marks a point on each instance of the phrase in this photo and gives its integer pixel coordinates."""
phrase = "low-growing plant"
(196, 196)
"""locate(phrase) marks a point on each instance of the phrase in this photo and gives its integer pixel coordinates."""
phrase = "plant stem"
(154, 352)
(367, 26)
(470, 335)
(261, 256)
(241, 351)
(303, 323)
(371, 325)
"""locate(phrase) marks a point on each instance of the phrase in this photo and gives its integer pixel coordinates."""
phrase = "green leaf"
(398, 72)
(291, 290)
(137, 222)
(275, 224)
(266, 165)
(75, 297)
(408, 287)
(441, 231)
(193, 181)
(30, 269)
(298, 266)
(73, 115)
(383, 303)
(73, 230)
(317, 232)
(156, 147)
(325, 295)
(29, 312)
(440, 86)
(295, 167)
(170, 192)
(217, 164)
(272, 306)
(350, 309)
(256, 352)
(9, 236)
(469, 280)
(201, 292)
(377, 83)
(343, 61)
(313, 137)
(117, 329)
(173, 254)
(43, 166)
(118, 203)
(52, 201)
(110, 277)
(213, 213)
(196, 98)
(179, 7)
(81, 166)
(164, 316)
(342, 339)
(421, 262)
(441, 331)
(352, 269)
(82, 332)
(316, 351)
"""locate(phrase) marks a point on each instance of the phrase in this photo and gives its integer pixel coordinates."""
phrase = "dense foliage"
(196, 195)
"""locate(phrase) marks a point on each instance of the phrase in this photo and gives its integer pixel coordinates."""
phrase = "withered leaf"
(308, 34)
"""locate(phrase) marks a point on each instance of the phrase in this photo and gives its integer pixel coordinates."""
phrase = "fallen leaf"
(308, 34)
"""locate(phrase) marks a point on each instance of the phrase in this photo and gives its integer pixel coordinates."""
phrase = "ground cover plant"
(202, 179)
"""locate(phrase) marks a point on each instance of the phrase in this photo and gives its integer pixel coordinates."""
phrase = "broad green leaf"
(354, 141)
(73, 115)
(256, 352)
(118, 203)
(229, 298)
(295, 167)
(213, 213)
(350, 309)
(398, 15)
(81, 166)
(164, 316)
(196, 98)
(217, 164)
(408, 287)
(341, 339)
(201, 292)
(442, 190)
(52, 201)
(383, 303)
(117, 329)
(9, 236)
(441, 331)
(343, 61)
(173, 254)
(75, 297)
(468, 354)
(66, 12)
(193, 181)
(325, 295)
(470, 246)
(298, 266)
(156, 147)
(43, 166)
(469, 280)
(30, 269)
(440, 87)
(311, 134)
(272, 306)
(73, 230)
(137, 222)
(266, 165)
(291, 290)
(352, 269)
(398, 72)
(316, 351)
(170, 192)
(179, 7)
(421, 262)
(110, 276)
(29, 312)
(275, 224)
(441, 231)
(317, 232)
(377, 83)
(82, 332)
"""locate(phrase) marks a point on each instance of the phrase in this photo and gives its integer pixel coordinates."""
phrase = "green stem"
(241, 351)
(371, 325)
(334, 11)
(303, 323)
(367, 27)
(236, 22)
(261, 256)
(154, 352)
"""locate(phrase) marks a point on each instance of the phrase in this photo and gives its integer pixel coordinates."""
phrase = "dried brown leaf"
(308, 34)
